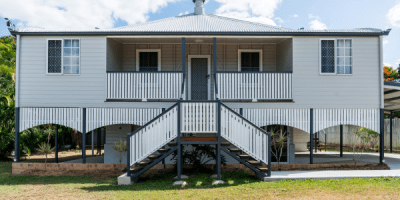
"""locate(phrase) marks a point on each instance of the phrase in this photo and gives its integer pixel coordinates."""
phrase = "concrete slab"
(124, 179)
(179, 183)
(218, 182)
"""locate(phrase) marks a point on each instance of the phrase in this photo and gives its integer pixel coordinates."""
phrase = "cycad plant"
(46, 150)
(120, 148)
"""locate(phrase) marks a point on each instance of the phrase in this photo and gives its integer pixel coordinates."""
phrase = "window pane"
(340, 61)
(54, 56)
(67, 43)
(348, 61)
(340, 51)
(75, 43)
(340, 43)
(348, 43)
(148, 61)
(250, 61)
(75, 69)
(340, 69)
(75, 61)
(349, 70)
(67, 60)
(327, 56)
(348, 52)
(67, 69)
(67, 51)
(75, 51)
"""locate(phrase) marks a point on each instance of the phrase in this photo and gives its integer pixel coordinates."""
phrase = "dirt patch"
(62, 156)
(97, 174)
(373, 166)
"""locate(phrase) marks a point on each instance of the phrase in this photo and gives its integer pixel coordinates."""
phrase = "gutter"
(93, 33)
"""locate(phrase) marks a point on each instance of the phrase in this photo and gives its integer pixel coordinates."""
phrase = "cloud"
(295, 15)
(385, 42)
(250, 10)
(78, 14)
(387, 64)
(394, 15)
(280, 20)
(187, 12)
(317, 25)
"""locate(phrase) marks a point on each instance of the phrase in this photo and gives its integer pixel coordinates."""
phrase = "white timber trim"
(190, 74)
(31, 117)
(297, 118)
(381, 76)
(325, 118)
(99, 117)
(240, 51)
(148, 50)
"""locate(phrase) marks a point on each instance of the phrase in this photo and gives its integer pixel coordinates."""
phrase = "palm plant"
(27, 152)
(278, 142)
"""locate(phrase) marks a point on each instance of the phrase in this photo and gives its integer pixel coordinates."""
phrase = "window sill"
(335, 74)
(62, 74)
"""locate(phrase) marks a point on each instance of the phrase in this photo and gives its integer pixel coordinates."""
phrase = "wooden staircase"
(150, 161)
(245, 159)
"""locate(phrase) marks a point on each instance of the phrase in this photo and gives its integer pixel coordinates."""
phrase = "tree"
(390, 74)
(120, 148)
(7, 93)
(278, 142)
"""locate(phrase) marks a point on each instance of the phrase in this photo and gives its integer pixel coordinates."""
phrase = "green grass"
(239, 186)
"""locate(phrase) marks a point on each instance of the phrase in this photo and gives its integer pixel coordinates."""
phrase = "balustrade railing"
(144, 85)
(254, 85)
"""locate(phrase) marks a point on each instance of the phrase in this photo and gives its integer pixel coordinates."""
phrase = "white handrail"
(148, 139)
(151, 85)
(255, 85)
(199, 117)
(244, 135)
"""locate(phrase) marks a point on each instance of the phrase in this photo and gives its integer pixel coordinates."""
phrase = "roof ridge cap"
(151, 22)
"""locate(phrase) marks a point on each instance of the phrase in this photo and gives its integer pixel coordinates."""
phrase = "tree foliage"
(391, 74)
(7, 94)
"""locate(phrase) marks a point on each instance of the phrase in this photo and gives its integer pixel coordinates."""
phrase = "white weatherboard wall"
(115, 133)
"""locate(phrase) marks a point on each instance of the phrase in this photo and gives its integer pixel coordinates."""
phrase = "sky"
(310, 14)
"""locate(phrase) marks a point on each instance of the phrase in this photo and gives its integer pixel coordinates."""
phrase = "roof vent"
(199, 9)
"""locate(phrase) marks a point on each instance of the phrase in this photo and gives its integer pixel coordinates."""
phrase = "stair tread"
(154, 156)
(234, 149)
(163, 150)
(172, 144)
(244, 155)
(135, 169)
(145, 162)
(254, 162)
(263, 169)
(225, 143)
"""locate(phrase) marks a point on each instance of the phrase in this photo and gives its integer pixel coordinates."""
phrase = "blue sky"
(310, 14)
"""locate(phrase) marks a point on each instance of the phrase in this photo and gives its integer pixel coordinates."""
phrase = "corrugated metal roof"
(192, 23)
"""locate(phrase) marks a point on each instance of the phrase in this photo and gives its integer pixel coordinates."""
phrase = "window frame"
(240, 51)
(148, 50)
(335, 55)
(62, 57)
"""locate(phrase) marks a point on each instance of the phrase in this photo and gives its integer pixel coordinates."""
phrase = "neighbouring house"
(199, 79)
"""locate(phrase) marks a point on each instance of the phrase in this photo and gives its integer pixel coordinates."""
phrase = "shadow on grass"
(157, 182)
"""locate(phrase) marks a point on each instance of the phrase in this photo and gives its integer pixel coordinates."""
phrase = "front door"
(199, 79)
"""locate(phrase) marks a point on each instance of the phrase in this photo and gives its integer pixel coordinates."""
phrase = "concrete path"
(392, 160)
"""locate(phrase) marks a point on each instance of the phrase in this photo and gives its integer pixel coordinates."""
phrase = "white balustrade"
(154, 135)
(138, 85)
(238, 85)
(244, 135)
(199, 117)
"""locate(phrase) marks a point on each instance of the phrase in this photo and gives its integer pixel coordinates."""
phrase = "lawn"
(240, 186)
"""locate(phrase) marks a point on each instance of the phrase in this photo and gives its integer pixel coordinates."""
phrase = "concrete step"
(144, 163)
(253, 162)
(154, 156)
(163, 150)
(234, 150)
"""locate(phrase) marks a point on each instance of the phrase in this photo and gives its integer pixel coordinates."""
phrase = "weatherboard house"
(199, 79)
